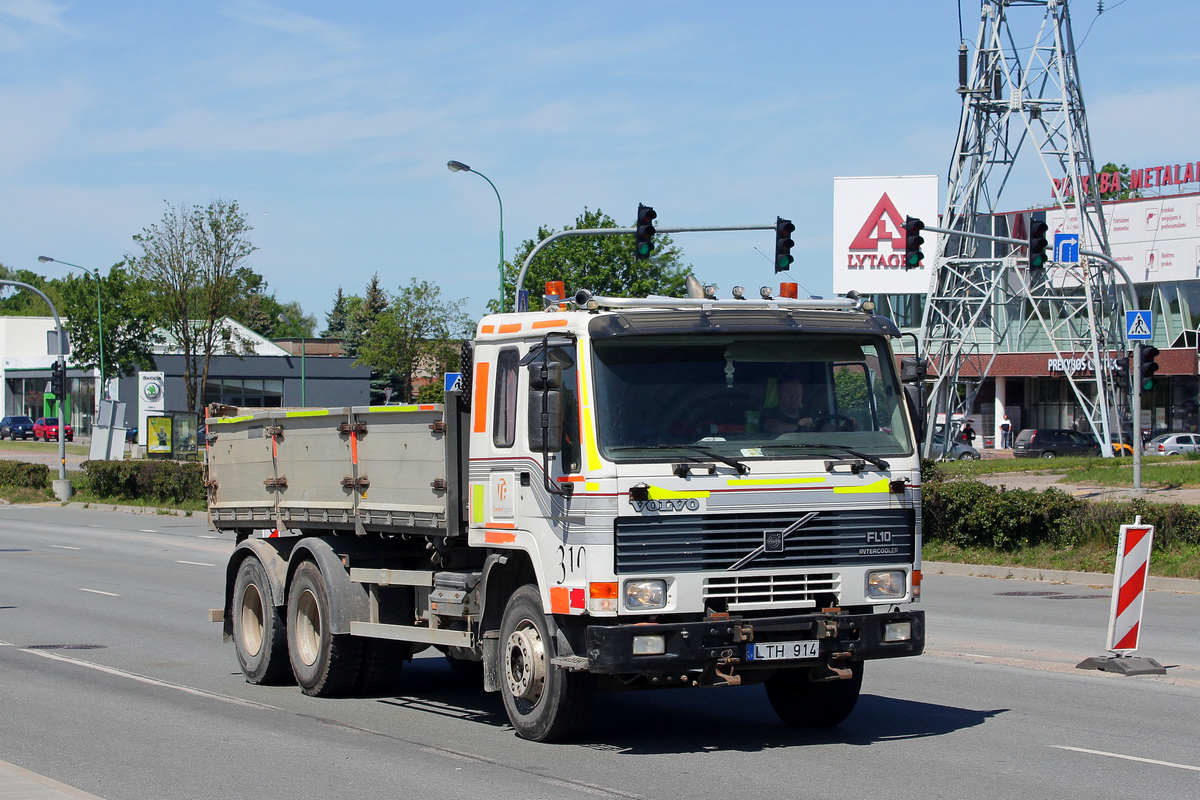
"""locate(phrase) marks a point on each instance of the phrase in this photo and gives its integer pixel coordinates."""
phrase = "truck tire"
(382, 660)
(802, 703)
(544, 703)
(325, 664)
(259, 635)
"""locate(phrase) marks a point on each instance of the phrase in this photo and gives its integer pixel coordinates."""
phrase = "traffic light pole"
(616, 232)
(1135, 399)
(62, 487)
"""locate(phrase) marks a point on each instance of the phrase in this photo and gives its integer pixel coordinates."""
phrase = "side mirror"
(545, 419)
(914, 369)
(914, 394)
(545, 375)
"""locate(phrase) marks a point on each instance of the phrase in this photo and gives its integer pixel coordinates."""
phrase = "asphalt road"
(114, 682)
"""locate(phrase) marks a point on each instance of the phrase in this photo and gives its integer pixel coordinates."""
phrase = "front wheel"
(544, 703)
(325, 664)
(803, 703)
(259, 636)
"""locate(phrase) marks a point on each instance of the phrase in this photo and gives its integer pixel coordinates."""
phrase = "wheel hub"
(308, 628)
(525, 663)
(252, 620)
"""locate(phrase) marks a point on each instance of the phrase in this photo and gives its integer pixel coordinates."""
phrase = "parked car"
(1172, 444)
(959, 450)
(47, 428)
(16, 428)
(1052, 442)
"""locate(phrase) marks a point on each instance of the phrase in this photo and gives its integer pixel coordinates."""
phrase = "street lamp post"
(95, 273)
(458, 166)
(286, 321)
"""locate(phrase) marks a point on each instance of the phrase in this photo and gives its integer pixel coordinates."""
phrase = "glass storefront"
(28, 397)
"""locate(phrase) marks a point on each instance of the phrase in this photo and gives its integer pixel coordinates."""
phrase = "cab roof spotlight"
(765, 293)
(710, 292)
(739, 292)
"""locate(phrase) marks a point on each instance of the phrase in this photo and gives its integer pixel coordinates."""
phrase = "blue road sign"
(452, 379)
(1139, 326)
(1066, 248)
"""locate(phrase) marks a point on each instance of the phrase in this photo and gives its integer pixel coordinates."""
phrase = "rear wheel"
(545, 703)
(382, 660)
(325, 664)
(1047, 454)
(259, 635)
(802, 703)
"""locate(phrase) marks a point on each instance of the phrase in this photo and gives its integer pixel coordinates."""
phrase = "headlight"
(886, 584)
(652, 645)
(897, 631)
(645, 594)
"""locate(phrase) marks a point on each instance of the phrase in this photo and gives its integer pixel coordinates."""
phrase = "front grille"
(753, 592)
(715, 542)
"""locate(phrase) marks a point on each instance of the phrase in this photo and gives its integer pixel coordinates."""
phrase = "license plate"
(782, 651)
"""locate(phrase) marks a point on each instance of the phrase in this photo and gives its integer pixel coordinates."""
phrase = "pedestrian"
(968, 434)
(1006, 434)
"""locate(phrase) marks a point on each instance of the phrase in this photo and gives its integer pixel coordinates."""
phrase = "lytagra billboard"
(868, 233)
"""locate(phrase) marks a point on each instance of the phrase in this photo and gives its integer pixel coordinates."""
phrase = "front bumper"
(723, 642)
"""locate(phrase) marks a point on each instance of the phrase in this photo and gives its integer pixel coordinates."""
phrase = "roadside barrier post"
(1125, 613)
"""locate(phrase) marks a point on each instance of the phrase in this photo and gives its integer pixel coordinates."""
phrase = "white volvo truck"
(618, 494)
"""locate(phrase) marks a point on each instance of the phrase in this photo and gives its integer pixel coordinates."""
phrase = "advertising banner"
(868, 233)
(151, 399)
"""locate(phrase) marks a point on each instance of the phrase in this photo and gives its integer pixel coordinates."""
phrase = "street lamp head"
(282, 319)
(45, 259)
(457, 166)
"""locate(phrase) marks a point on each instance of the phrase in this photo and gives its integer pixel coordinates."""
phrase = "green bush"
(19, 473)
(165, 481)
(974, 514)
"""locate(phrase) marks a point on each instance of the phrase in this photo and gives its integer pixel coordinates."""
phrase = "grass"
(1170, 472)
(30, 446)
(1182, 561)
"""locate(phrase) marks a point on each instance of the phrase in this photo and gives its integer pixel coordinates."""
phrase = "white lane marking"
(97, 591)
(1127, 758)
(208, 537)
(196, 563)
(64, 547)
(120, 673)
(147, 530)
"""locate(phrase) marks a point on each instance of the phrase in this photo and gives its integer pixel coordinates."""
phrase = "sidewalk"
(1040, 482)
(20, 783)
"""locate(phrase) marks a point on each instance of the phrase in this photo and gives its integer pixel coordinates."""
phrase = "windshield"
(749, 396)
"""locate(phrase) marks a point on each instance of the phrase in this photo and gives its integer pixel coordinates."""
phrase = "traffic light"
(644, 238)
(58, 380)
(1038, 245)
(1149, 367)
(783, 244)
(912, 242)
(1121, 372)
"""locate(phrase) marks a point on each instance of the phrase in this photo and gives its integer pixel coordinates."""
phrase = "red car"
(47, 428)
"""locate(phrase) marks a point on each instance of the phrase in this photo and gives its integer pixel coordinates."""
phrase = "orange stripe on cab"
(499, 537)
(550, 323)
(511, 327)
(480, 390)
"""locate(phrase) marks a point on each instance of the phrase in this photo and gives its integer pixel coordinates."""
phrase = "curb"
(129, 509)
(1097, 579)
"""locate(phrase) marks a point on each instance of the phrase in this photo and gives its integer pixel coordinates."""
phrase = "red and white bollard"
(1125, 615)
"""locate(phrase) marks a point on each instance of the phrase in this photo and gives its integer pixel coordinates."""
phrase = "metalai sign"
(868, 233)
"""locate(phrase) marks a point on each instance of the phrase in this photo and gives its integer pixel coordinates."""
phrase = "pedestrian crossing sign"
(1139, 326)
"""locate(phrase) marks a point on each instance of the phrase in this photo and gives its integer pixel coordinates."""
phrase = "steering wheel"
(840, 422)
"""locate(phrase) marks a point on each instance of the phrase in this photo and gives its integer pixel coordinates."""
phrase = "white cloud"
(292, 23)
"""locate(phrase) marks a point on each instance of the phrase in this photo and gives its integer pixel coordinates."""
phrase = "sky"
(330, 124)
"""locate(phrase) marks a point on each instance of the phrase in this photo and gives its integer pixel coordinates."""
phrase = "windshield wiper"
(879, 462)
(732, 462)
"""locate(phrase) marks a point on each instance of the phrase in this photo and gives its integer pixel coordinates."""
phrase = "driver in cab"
(791, 413)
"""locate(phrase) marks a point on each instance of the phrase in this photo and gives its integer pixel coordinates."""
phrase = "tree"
(259, 310)
(23, 303)
(191, 259)
(603, 264)
(362, 319)
(417, 335)
(129, 333)
(337, 318)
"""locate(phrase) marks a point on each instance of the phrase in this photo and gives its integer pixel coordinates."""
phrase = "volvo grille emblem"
(772, 541)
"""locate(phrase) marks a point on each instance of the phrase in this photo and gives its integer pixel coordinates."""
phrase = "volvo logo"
(684, 504)
(773, 541)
